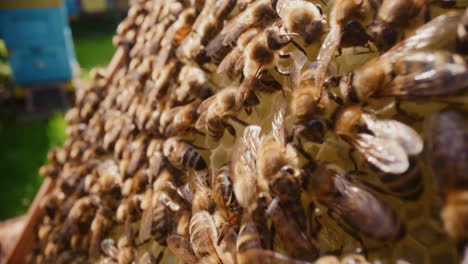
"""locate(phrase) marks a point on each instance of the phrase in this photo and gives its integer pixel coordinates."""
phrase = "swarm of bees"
(268, 131)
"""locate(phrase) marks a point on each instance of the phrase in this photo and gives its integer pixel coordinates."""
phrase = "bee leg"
(193, 145)
(351, 157)
(363, 250)
(369, 50)
(237, 120)
(230, 129)
(281, 72)
(196, 131)
(222, 234)
(299, 47)
(335, 98)
(248, 110)
(160, 256)
(338, 53)
(312, 229)
(272, 237)
(410, 116)
(299, 147)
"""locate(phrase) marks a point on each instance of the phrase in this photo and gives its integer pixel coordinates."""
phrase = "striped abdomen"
(408, 185)
(162, 223)
(192, 159)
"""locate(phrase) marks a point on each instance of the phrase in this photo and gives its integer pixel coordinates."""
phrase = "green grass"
(23, 150)
(94, 51)
(24, 147)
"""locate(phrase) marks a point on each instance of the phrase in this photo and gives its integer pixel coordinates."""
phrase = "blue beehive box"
(39, 40)
(73, 7)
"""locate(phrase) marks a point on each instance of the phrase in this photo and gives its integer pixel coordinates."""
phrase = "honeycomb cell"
(442, 256)
(412, 254)
(426, 235)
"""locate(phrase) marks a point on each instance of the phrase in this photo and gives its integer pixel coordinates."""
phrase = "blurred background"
(47, 48)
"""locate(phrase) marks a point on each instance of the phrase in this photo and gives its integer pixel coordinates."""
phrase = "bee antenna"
(299, 47)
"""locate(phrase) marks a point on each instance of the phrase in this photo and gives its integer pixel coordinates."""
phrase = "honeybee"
(137, 152)
(49, 170)
(343, 11)
(156, 162)
(353, 208)
(384, 143)
(392, 18)
(178, 120)
(260, 54)
(193, 82)
(174, 36)
(418, 73)
(125, 251)
(205, 28)
(231, 63)
(276, 159)
(441, 33)
(79, 216)
(248, 241)
(201, 246)
(258, 14)
(203, 237)
(294, 239)
(162, 79)
(99, 227)
(183, 155)
(162, 222)
(447, 134)
(301, 17)
(129, 208)
(310, 106)
(225, 200)
(243, 167)
(215, 111)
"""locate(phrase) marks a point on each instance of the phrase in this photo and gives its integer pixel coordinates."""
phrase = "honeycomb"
(136, 145)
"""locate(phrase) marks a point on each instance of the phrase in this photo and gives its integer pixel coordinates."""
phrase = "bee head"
(383, 36)
(276, 39)
(285, 185)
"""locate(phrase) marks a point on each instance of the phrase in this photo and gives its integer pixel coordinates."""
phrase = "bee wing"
(146, 218)
(429, 82)
(244, 90)
(386, 154)
(156, 162)
(94, 248)
(228, 63)
(203, 107)
(326, 53)
(180, 247)
(278, 122)
(109, 248)
(242, 22)
(395, 130)
(239, 66)
(298, 60)
(436, 34)
(243, 167)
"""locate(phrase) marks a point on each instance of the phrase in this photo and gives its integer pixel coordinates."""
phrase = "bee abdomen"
(408, 185)
(215, 129)
(161, 224)
(193, 159)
